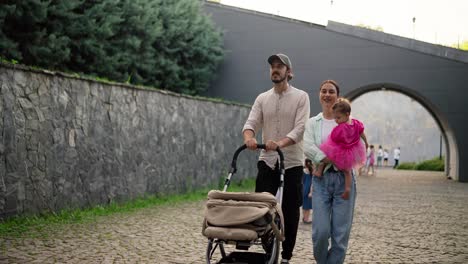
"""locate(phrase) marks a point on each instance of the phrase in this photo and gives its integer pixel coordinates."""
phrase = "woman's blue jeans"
(332, 217)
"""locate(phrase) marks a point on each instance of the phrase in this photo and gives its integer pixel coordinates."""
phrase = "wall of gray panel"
(359, 62)
(67, 142)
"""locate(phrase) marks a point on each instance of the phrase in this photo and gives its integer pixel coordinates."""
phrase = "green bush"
(167, 44)
(406, 166)
(434, 164)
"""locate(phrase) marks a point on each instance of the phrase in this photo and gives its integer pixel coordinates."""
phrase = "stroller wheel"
(271, 245)
(209, 252)
(272, 251)
(275, 253)
(211, 248)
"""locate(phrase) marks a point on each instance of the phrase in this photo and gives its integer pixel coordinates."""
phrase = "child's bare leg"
(319, 170)
(347, 174)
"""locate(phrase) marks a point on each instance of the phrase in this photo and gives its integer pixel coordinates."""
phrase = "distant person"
(307, 193)
(370, 160)
(379, 156)
(396, 157)
(344, 147)
(385, 157)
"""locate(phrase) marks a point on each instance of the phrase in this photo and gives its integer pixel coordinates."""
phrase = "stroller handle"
(259, 146)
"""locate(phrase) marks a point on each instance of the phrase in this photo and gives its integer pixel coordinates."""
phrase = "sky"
(442, 22)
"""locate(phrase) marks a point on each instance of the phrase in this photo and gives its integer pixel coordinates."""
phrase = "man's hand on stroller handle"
(249, 139)
(282, 143)
(271, 145)
(251, 143)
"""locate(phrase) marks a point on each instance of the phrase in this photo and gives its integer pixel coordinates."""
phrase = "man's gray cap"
(283, 58)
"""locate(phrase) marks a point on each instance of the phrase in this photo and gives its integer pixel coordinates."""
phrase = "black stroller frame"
(267, 229)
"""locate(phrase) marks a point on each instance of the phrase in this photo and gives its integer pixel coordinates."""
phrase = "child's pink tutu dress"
(344, 147)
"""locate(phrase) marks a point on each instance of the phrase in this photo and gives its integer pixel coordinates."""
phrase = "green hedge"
(167, 44)
(407, 166)
(434, 164)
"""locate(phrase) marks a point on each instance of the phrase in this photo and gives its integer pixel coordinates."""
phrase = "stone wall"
(69, 142)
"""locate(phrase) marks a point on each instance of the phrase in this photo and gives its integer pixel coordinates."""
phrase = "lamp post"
(414, 27)
(440, 148)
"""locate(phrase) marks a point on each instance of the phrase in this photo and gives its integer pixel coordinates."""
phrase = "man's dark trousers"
(268, 180)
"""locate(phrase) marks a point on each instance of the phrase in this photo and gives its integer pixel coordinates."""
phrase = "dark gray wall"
(67, 142)
(360, 65)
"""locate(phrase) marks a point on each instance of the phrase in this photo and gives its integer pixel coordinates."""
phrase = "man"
(281, 112)
(396, 156)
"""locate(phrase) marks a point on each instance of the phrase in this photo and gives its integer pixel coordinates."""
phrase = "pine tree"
(168, 44)
(94, 24)
(132, 44)
(8, 46)
(28, 25)
(190, 49)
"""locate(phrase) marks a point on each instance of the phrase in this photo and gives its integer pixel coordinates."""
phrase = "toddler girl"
(344, 147)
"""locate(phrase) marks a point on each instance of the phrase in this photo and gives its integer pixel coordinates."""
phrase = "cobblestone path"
(400, 217)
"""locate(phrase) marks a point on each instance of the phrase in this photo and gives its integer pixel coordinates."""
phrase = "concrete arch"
(361, 60)
(451, 158)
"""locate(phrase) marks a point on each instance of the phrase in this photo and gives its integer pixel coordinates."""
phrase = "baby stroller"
(244, 220)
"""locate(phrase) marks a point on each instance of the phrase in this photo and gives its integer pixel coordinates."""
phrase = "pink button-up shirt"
(281, 115)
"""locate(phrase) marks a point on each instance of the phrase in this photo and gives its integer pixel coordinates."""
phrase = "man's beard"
(280, 80)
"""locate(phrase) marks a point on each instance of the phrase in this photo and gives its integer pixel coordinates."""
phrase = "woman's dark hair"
(334, 84)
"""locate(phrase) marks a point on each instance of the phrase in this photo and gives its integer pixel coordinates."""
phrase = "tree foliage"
(463, 45)
(377, 28)
(168, 44)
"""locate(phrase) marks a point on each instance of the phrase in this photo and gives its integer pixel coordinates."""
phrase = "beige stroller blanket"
(240, 215)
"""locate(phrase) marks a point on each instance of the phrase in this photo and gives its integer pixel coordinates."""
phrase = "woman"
(332, 215)
(307, 192)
